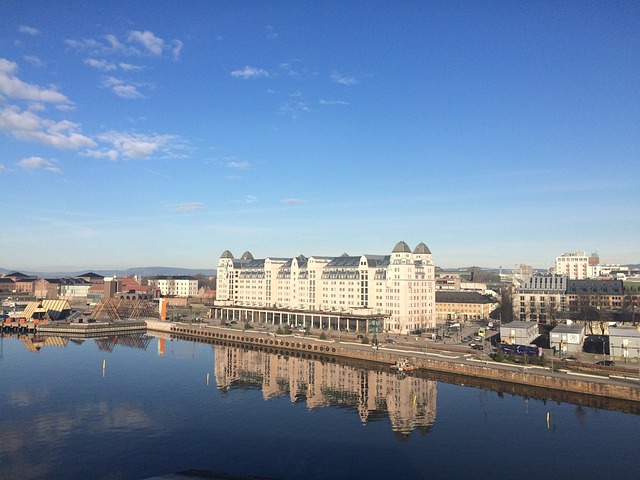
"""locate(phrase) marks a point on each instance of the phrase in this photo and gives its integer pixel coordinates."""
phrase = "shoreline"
(619, 388)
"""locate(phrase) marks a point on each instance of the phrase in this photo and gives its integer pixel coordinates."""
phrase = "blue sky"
(163, 133)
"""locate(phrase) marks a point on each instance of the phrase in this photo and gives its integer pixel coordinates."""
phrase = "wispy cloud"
(122, 89)
(250, 72)
(38, 163)
(186, 207)
(295, 106)
(333, 102)
(152, 44)
(101, 64)
(28, 30)
(136, 43)
(2, 168)
(294, 201)
(136, 146)
(33, 60)
(343, 79)
(271, 33)
(239, 165)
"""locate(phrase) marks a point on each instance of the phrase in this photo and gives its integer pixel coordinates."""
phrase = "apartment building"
(577, 265)
(179, 285)
(394, 293)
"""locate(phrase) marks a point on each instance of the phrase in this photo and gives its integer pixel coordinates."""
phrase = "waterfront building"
(519, 333)
(74, 289)
(463, 306)
(7, 284)
(178, 286)
(567, 338)
(541, 297)
(624, 342)
(393, 293)
(47, 288)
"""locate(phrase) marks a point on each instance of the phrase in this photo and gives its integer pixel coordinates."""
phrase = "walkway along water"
(594, 385)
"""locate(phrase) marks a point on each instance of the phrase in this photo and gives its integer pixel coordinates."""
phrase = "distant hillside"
(142, 271)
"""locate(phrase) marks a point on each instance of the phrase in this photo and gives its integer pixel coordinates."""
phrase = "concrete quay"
(431, 359)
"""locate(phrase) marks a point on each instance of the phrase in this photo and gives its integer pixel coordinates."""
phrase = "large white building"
(577, 265)
(395, 292)
(178, 286)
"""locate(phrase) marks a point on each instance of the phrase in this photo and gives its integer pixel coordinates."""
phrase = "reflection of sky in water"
(150, 414)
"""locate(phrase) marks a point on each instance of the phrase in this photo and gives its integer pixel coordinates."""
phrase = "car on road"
(477, 338)
(466, 339)
(606, 363)
(477, 346)
(390, 340)
(570, 358)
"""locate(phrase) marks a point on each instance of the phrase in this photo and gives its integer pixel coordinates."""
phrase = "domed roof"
(226, 254)
(421, 248)
(246, 256)
(401, 247)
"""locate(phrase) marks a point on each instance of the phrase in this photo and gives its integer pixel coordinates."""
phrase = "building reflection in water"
(34, 343)
(409, 402)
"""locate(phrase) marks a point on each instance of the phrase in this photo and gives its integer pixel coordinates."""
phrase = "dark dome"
(422, 248)
(401, 247)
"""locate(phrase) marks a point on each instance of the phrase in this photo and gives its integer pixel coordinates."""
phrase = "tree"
(505, 304)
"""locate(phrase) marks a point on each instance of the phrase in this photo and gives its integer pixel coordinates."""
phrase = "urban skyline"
(164, 134)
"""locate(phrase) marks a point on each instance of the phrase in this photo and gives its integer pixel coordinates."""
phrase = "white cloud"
(294, 201)
(28, 30)
(103, 65)
(111, 45)
(120, 88)
(239, 165)
(135, 146)
(38, 163)
(13, 87)
(130, 67)
(176, 48)
(333, 102)
(2, 168)
(148, 40)
(187, 207)
(271, 33)
(33, 60)
(249, 72)
(27, 125)
(343, 79)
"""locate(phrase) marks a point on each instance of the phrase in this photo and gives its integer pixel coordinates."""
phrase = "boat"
(404, 365)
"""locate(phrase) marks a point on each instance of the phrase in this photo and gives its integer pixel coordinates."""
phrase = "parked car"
(606, 363)
(477, 346)
(570, 358)
(390, 340)
(466, 339)
(477, 338)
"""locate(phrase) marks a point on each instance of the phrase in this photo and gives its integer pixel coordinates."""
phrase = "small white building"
(567, 339)
(624, 342)
(519, 333)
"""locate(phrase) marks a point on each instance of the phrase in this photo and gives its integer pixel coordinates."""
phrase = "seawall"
(532, 376)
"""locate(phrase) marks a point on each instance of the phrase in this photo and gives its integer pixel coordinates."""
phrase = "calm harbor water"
(160, 406)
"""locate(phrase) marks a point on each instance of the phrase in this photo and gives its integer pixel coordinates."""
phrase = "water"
(162, 406)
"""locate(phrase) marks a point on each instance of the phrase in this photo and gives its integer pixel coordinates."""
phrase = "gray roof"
(443, 296)
(246, 256)
(401, 247)
(421, 248)
(226, 254)
(564, 328)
